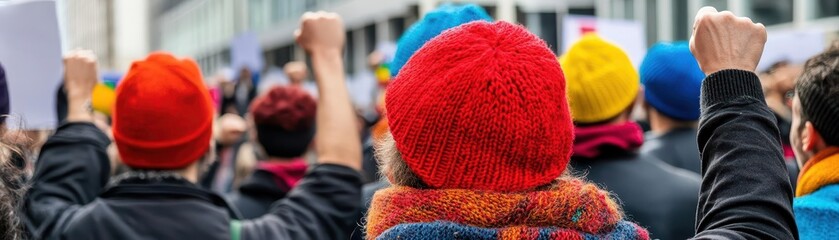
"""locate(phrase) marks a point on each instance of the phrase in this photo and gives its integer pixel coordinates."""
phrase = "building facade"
(204, 28)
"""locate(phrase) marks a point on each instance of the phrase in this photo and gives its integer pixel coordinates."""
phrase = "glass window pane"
(770, 12)
(548, 31)
(827, 8)
(718, 4)
(680, 20)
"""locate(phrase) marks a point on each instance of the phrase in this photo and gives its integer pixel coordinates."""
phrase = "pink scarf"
(286, 173)
(592, 141)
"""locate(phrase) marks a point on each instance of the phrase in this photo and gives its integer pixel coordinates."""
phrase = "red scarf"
(286, 173)
(593, 141)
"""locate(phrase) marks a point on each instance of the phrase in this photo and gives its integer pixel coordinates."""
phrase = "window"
(548, 30)
(680, 20)
(718, 4)
(769, 12)
(397, 27)
(826, 8)
(369, 38)
(582, 11)
(349, 57)
(651, 21)
(623, 9)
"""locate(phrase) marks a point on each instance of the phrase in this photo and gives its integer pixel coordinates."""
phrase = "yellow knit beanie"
(601, 80)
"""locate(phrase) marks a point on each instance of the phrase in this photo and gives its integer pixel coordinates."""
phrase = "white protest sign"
(245, 52)
(626, 34)
(30, 52)
(794, 46)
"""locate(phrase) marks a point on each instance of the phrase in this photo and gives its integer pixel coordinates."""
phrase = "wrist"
(79, 110)
(326, 53)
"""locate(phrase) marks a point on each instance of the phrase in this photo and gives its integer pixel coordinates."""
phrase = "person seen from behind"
(672, 81)
(162, 128)
(283, 125)
(602, 89)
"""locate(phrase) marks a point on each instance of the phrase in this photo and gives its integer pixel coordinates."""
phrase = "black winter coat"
(657, 196)
(257, 193)
(677, 148)
(65, 201)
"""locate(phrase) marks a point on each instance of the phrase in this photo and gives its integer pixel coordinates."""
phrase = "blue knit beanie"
(672, 80)
(4, 96)
(435, 22)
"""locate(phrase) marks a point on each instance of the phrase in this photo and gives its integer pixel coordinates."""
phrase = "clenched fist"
(80, 74)
(723, 41)
(80, 77)
(321, 32)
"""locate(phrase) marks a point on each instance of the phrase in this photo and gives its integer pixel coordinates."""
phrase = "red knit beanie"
(482, 106)
(163, 114)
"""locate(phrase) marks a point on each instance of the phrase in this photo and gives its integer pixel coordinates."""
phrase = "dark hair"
(284, 119)
(13, 184)
(818, 91)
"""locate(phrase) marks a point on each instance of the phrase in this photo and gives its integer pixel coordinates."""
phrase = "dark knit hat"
(672, 80)
(432, 24)
(818, 91)
(482, 106)
(285, 121)
(4, 96)
(163, 115)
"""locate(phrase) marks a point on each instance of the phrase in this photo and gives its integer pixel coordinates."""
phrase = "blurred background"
(120, 31)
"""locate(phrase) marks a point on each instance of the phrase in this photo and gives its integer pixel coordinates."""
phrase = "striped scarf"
(571, 210)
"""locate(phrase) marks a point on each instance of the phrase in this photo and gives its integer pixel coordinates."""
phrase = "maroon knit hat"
(482, 106)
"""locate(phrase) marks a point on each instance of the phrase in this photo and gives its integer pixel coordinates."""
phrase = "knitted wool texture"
(432, 24)
(285, 121)
(818, 172)
(482, 106)
(815, 205)
(601, 80)
(573, 209)
(672, 80)
(163, 115)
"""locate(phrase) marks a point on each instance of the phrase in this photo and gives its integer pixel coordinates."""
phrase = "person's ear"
(810, 138)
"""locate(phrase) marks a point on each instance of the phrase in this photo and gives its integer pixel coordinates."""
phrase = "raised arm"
(326, 202)
(73, 166)
(745, 192)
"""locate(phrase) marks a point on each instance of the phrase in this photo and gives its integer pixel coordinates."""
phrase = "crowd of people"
(482, 133)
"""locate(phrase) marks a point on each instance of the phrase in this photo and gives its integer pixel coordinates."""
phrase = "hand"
(723, 41)
(80, 74)
(80, 77)
(321, 32)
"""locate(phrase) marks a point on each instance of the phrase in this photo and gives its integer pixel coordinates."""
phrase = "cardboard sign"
(245, 52)
(626, 34)
(30, 51)
(794, 46)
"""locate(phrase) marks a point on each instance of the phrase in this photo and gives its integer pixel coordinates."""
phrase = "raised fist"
(723, 41)
(80, 74)
(321, 32)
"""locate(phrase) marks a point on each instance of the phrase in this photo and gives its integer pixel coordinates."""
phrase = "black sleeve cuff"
(81, 132)
(730, 84)
(335, 168)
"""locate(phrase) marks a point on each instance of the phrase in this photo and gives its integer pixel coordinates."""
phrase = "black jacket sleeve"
(72, 169)
(324, 205)
(745, 192)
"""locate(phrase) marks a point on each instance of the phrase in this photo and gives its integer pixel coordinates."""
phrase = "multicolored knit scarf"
(573, 209)
(818, 172)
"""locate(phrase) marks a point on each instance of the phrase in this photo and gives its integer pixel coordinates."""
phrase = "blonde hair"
(398, 173)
